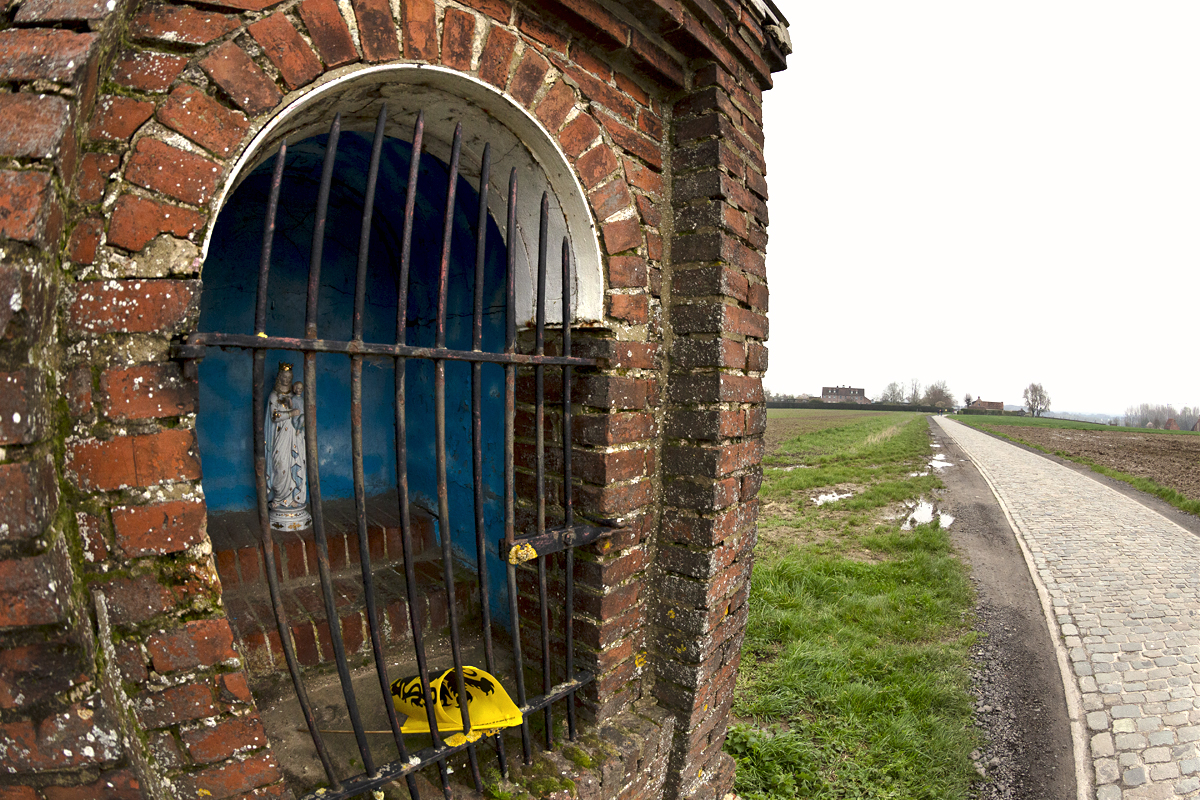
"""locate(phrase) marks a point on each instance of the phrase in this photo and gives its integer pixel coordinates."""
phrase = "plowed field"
(1169, 459)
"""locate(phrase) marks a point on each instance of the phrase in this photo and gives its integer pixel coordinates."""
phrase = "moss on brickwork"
(578, 757)
(581, 767)
(542, 778)
(541, 787)
(497, 787)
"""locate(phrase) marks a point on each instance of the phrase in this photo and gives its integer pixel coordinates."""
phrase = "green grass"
(1165, 493)
(864, 451)
(854, 678)
(846, 442)
(979, 420)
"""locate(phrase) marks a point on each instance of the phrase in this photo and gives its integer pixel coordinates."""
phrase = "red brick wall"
(715, 417)
(121, 129)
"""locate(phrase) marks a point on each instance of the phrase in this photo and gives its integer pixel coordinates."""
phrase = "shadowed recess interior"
(224, 424)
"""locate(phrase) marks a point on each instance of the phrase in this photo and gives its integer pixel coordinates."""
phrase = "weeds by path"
(854, 676)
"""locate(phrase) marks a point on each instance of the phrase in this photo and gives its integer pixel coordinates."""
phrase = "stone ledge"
(626, 757)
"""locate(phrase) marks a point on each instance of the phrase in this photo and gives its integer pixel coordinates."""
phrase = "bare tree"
(914, 391)
(894, 393)
(1037, 399)
(968, 399)
(938, 394)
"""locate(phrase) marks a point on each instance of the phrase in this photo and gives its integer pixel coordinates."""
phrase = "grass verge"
(854, 680)
(1055, 422)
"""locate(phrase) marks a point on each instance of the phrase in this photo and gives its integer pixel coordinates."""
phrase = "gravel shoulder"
(1021, 708)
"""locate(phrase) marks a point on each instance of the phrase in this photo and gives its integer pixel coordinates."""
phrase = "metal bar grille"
(540, 545)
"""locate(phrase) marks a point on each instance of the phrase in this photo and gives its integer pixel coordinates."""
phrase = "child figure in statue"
(287, 473)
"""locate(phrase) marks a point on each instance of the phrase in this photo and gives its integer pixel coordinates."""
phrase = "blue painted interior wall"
(230, 276)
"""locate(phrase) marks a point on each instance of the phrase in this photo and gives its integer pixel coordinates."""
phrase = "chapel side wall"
(716, 301)
(132, 528)
(66, 717)
(111, 627)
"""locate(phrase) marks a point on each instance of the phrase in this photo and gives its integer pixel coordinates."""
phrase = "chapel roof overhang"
(752, 34)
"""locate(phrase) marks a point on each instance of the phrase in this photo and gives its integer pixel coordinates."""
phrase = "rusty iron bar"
(313, 451)
(410, 574)
(548, 542)
(477, 404)
(356, 447)
(268, 239)
(361, 784)
(364, 233)
(267, 540)
(439, 433)
(510, 411)
(568, 507)
(540, 423)
(481, 227)
(196, 343)
(558, 692)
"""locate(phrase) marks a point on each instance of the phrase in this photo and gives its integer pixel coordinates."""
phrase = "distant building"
(987, 405)
(844, 394)
(1171, 425)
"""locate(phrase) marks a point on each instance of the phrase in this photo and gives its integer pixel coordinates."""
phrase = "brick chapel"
(500, 265)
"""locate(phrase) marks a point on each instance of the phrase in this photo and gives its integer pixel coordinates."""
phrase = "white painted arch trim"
(518, 140)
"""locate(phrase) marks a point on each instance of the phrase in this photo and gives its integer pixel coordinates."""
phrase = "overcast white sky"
(988, 194)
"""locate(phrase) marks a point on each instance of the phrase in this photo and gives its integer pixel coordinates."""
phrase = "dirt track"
(1168, 459)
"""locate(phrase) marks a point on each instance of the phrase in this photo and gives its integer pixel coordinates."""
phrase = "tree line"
(1149, 415)
(938, 394)
(935, 394)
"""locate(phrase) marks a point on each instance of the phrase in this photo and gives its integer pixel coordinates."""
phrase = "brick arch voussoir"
(181, 122)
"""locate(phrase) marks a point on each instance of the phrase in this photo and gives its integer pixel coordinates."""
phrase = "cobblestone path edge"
(1079, 739)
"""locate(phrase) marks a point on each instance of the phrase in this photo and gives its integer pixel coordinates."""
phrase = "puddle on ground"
(940, 462)
(831, 498)
(922, 514)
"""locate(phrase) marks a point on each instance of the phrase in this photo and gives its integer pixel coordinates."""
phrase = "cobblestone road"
(1123, 583)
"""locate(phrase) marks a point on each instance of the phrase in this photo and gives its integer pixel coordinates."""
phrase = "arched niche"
(518, 141)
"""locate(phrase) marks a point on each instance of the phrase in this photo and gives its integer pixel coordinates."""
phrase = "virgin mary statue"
(287, 472)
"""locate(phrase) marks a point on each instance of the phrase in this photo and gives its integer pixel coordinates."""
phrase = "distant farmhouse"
(844, 394)
(988, 405)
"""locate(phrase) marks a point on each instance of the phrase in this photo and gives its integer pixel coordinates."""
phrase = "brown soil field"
(1171, 460)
